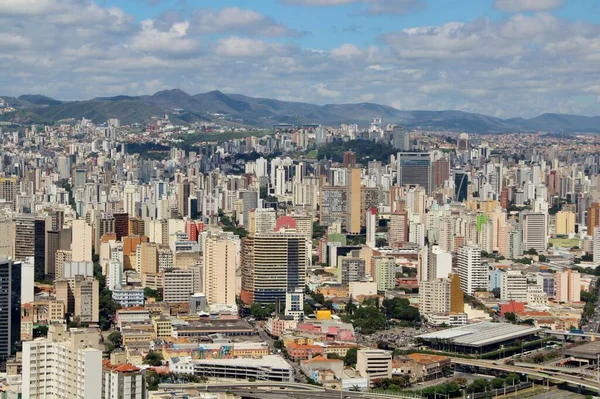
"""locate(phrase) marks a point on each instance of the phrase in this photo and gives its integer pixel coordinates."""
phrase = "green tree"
(153, 359)
(151, 293)
(479, 385)
(351, 357)
(261, 312)
(350, 306)
(511, 317)
(115, 340)
(498, 383)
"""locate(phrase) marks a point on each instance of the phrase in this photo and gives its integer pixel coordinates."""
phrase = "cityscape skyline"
(502, 58)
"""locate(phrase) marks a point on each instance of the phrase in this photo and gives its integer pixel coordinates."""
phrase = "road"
(554, 375)
(298, 375)
(277, 390)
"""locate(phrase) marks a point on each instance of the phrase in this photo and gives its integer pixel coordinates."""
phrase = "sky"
(506, 58)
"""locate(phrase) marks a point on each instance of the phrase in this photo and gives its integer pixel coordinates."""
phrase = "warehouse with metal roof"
(479, 337)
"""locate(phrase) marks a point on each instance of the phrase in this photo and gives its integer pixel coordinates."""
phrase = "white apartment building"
(514, 286)
(294, 303)
(122, 381)
(385, 272)
(61, 366)
(535, 227)
(473, 274)
(536, 295)
(178, 285)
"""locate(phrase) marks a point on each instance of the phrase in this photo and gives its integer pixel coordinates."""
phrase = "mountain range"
(240, 110)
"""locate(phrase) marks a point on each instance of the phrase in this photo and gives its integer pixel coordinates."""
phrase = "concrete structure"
(83, 268)
(294, 303)
(385, 272)
(80, 296)
(178, 285)
(10, 305)
(535, 229)
(61, 366)
(128, 296)
(272, 264)
(374, 364)
(513, 285)
(81, 247)
(567, 286)
(565, 223)
(473, 274)
(220, 258)
(414, 169)
(122, 381)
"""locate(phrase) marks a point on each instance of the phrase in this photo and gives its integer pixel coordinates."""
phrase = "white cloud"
(346, 51)
(374, 7)
(241, 47)
(235, 19)
(323, 91)
(174, 40)
(527, 5)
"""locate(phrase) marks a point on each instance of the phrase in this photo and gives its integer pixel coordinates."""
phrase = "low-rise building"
(374, 364)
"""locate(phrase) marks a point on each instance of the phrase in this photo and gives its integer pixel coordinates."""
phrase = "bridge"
(533, 371)
(276, 390)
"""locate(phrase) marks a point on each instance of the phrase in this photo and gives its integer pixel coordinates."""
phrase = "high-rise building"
(567, 286)
(473, 274)
(462, 143)
(81, 249)
(294, 303)
(61, 258)
(179, 285)
(121, 224)
(596, 244)
(441, 296)
(565, 223)
(349, 159)
(30, 240)
(513, 285)
(385, 272)
(262, 220)
(441, 172)
(122, 381)
(80, 296)
(219, 256)
(593, 217)
(414, 169)
(461, 184)
(10, 305)
(61, 366)
(351, 268)
(55, 240)
(184, 190)
(9, 188)
(354, 210)
(534, 225)
(398, 228)
(272, 264)
(400, 139)
(371, 218)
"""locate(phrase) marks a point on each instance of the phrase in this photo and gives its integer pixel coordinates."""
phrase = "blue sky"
(499, 57)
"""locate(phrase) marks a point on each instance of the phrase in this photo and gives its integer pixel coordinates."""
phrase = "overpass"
(538, 372)
(277, 390)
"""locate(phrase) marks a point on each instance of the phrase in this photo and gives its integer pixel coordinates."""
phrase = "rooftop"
(481, 334)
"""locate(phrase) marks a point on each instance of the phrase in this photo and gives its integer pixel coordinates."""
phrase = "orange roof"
(321, 359)
(427, 359)
(121, 368)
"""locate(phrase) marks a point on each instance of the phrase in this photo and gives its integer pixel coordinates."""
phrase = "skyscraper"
(473, 274)
(82, 241)
(219, 256)
(10, 308)
(593, 217)
(414, 168)
(400, 139)
(272, 264)
(535, 230)
(371, 217)
(461, 184)
(30, 240)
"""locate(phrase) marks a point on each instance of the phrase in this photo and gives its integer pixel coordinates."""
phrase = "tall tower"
(219, 258)
(473, 274)
(414, 168)
(10, 303)
(371, 218)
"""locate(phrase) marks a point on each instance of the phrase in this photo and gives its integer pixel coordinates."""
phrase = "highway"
(276, 390)
(541, 373)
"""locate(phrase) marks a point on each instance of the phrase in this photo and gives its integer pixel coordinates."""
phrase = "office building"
(473, 274)
(398, 227)
(371, 219)
(178, 285)
(414, 169)
(294, 303)
(10, 306)
(374, 364)
(534, 226)
(62, 366)
(272, 264)
(441, 296)
(596, 244)
(351, 268)
(400, 139)
(354, 196)
(513, 286)
(461, 185)
(30, 241)
(593, 217)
